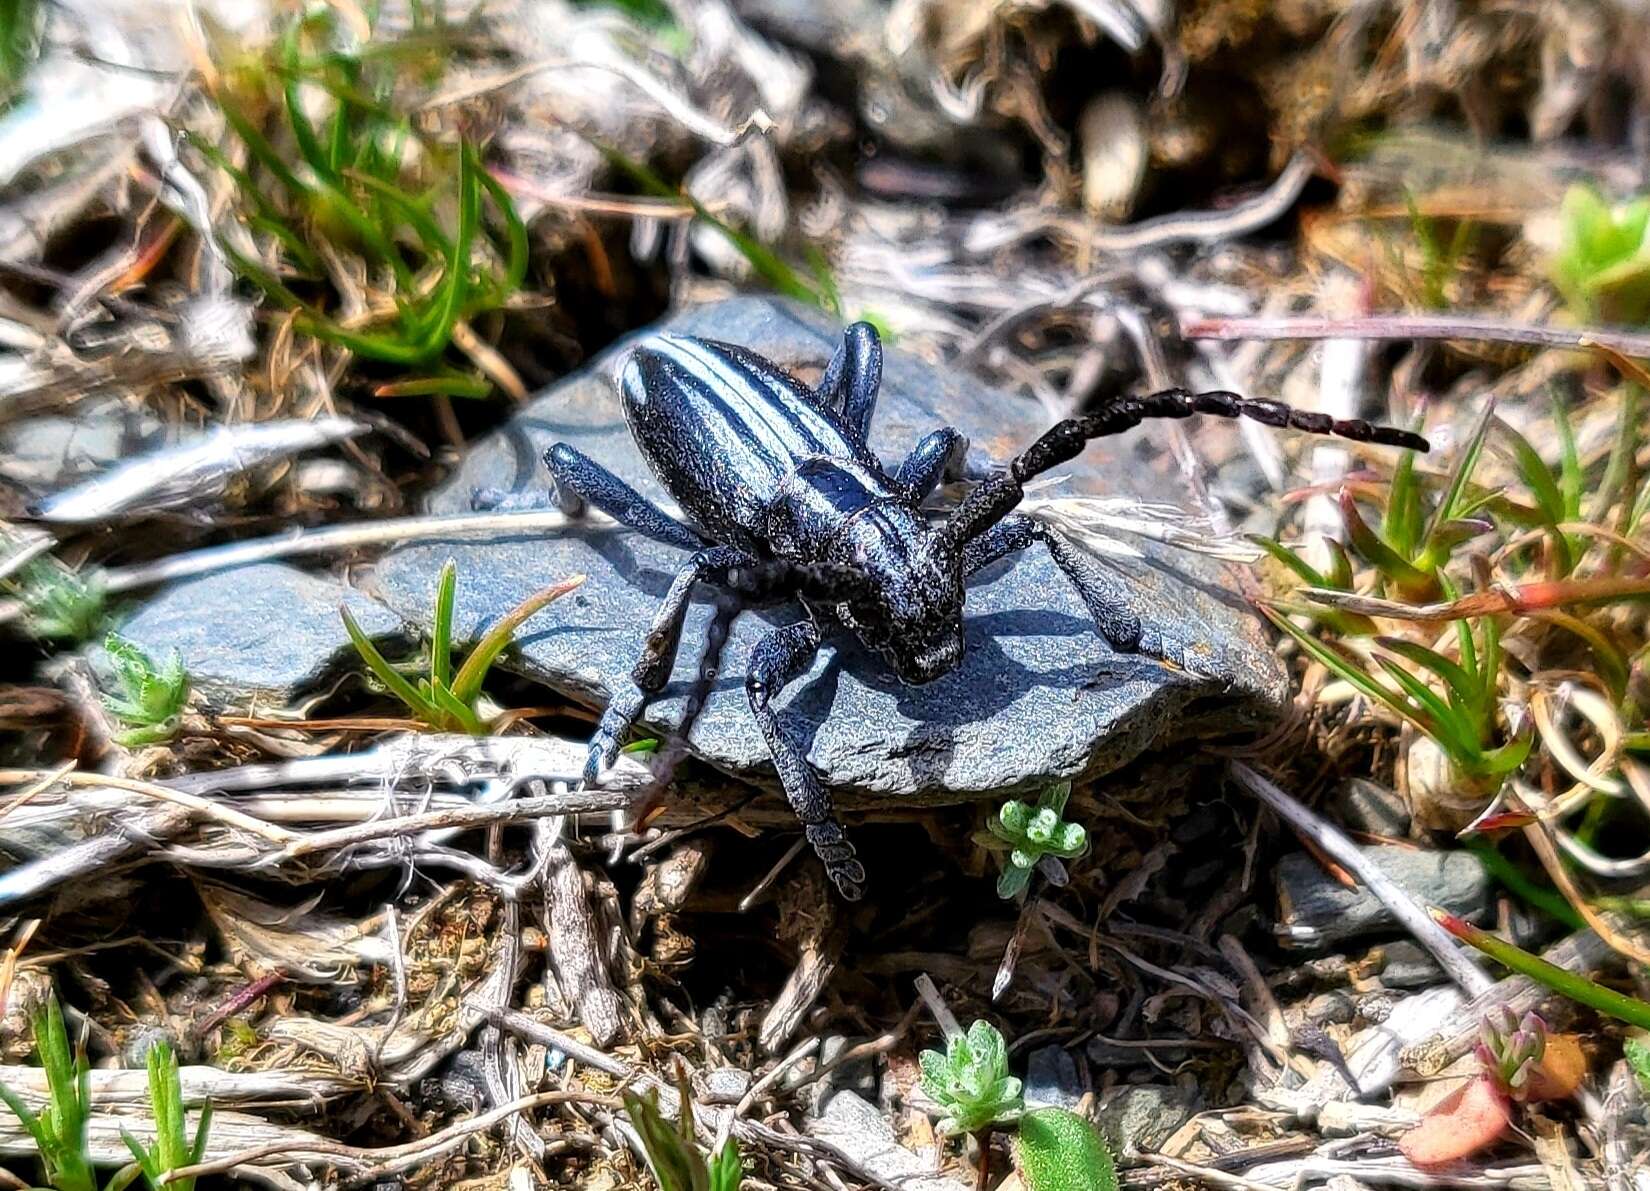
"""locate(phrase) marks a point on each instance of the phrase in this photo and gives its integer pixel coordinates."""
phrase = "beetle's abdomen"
(722, 429)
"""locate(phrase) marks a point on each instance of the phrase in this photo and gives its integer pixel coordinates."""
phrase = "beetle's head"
(910, 604)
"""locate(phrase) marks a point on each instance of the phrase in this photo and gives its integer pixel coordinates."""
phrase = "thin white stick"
(1411, 915)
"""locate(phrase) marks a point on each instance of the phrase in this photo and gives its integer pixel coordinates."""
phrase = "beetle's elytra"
(786, 501)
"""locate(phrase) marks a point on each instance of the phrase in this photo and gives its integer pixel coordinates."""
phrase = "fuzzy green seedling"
(149, 698)
(672, 1154)
(1636, 1051)
(59, 1130)
(172, 1149)
(969, 1081)
(1060, 1151)
(60, 604)
(1030, 837)
(444, 700)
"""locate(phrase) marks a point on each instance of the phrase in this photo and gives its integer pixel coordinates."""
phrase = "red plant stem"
(238, 1000)
(1421, 326)
(1577, 988)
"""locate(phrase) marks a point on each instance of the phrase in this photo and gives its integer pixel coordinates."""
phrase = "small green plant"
(150, 698)
(1637, 1053)
(59, 604)
(673, 1156)
(1602, 267)
(445, 701)
(59, 1131)
(1032, 837)
(1511, 1049)
(970, 1081)
(1060, 1151)
(367, 185)
(1463, 721)
(172, 1149)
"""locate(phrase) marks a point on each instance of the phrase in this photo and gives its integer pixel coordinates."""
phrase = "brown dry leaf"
(1563, 1067)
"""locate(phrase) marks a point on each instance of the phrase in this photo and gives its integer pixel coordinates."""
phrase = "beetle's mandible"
(787, 501)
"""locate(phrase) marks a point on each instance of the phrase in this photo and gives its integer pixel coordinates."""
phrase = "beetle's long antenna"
(994, 499)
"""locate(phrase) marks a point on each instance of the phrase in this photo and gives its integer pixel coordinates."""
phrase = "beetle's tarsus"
(778, 658)
(936, 459)
(612, 729)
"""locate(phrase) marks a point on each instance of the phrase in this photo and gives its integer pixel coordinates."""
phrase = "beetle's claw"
(834, 850)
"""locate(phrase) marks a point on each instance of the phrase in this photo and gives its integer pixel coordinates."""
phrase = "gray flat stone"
(1139, 1118)
(1038, 695)
(265, 631)
(1315, 910)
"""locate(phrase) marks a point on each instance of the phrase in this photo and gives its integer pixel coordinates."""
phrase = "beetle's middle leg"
(754, 579)
(853, 377)
(778, 658)
(580, 480)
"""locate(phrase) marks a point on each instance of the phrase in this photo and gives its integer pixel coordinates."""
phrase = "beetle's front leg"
(778, 658)
(1120, 627)
(938, 457)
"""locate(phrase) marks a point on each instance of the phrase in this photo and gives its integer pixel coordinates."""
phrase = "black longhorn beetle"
(788, 501)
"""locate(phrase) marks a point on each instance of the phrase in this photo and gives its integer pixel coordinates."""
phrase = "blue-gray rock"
(1316, 910)
(1052, 1079)
(1039, 695)
(1372, 808)
(858, 1076)
(1139, 1118)
(260, 632)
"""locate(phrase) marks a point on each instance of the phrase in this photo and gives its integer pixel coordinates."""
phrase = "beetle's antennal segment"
(994, 499)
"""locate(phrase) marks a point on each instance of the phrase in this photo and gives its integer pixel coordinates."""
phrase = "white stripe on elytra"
(729, 378)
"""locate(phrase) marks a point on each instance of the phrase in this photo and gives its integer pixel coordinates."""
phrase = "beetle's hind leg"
(778, 658)
(580, 480)
(853, 377)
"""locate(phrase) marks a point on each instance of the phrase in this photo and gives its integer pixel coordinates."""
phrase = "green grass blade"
(515, 232)
(1303, 570)
(1377, 552)
(1345, 670)
(454, 385)
(384, 672)
(303, 131)
(1451, 507)
(474, 671)
(1578, 988)
(441, 636)
(1543, 898)
(1401, 526)
(260, 148)
(35, 1127)
(1440, 721)
(1454, 676)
